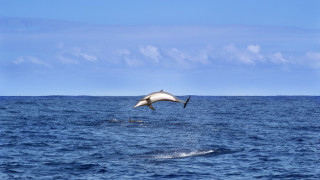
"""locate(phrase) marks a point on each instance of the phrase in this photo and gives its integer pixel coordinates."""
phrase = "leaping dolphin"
(159, 96)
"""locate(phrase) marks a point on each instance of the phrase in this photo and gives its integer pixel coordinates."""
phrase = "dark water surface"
(66, 137)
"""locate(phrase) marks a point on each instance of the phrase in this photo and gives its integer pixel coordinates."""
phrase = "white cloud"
(203, 58)
(255, 52)
(89, 57)
(239, 55)
(35, 60)
(19, 60)
(151, 52)
(170, 56)
(254, 49)
(278, 58)
(66, 60)
(131, 62)
(72, 55)
(77, 52)
(186, 60)
(250, 55)
(123, 52)
(31, 59)
(128, 58)
(180, 57)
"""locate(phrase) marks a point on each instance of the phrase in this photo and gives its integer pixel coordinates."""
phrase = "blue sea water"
(84, 137)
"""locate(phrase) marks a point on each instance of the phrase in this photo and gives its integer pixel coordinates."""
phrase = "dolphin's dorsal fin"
(161, 90)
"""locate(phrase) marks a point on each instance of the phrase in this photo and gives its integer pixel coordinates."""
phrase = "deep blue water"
(62, 137)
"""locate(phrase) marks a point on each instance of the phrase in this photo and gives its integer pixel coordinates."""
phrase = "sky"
(195, 47)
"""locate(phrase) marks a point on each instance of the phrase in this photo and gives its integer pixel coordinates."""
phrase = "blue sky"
(136, 47)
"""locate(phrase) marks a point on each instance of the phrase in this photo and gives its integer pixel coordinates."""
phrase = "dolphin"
(159, 96)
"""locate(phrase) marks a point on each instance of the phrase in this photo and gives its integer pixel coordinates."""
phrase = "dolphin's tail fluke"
(185, 104)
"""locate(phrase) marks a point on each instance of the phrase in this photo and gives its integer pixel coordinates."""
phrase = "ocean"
(214, 137)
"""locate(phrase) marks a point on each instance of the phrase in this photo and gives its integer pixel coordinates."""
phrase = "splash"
(182, 154)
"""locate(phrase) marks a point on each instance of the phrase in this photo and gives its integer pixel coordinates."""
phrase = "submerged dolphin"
(159, 96)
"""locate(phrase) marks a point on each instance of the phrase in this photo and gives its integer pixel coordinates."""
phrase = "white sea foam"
(182, 154)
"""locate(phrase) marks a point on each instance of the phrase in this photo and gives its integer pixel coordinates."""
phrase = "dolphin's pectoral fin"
(151, 107)
(149, 103)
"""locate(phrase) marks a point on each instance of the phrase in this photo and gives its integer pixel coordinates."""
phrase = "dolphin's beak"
(135, 106)
(140, 103)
